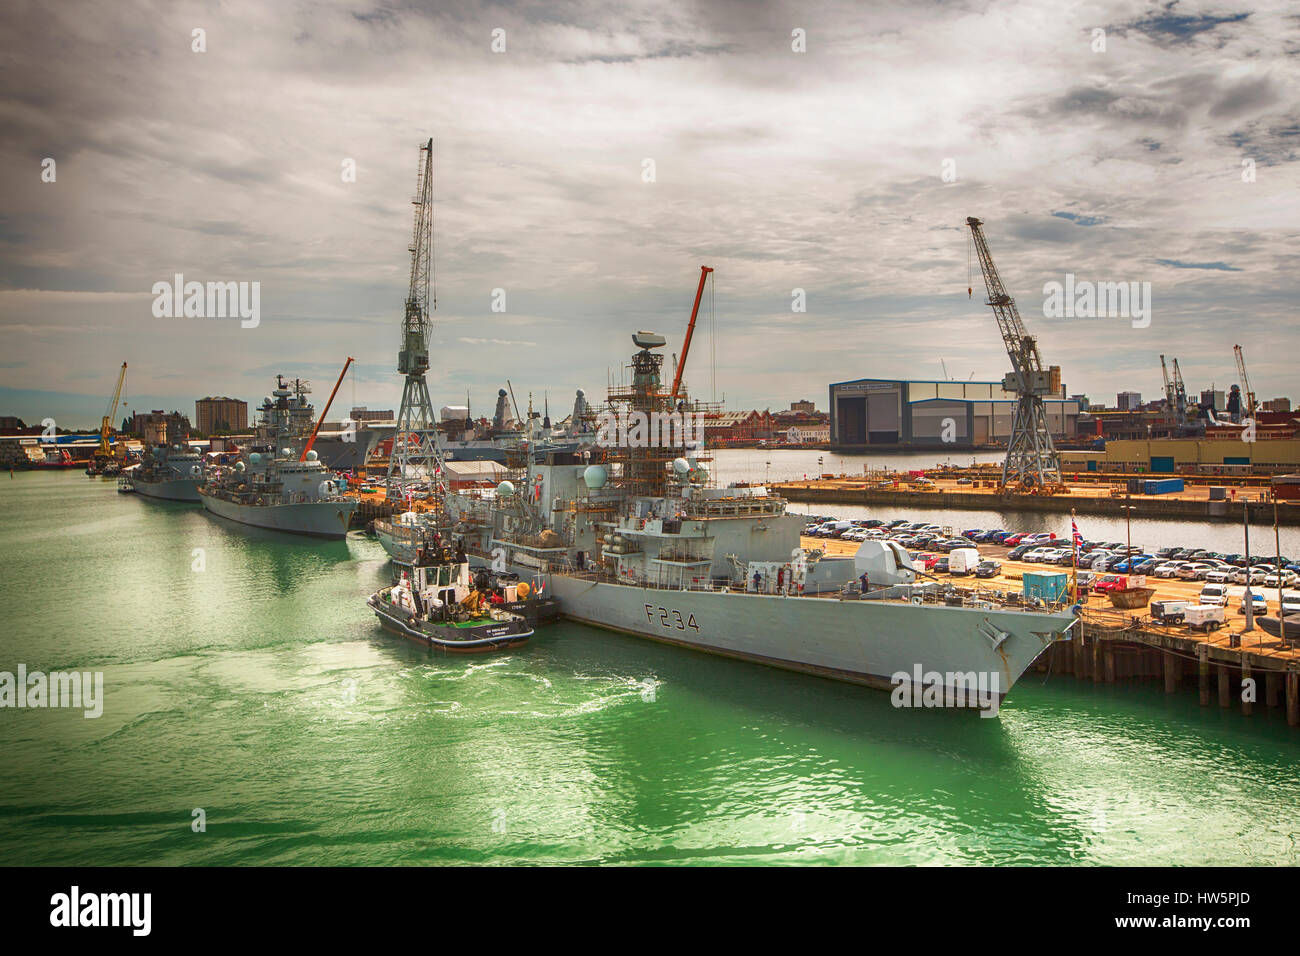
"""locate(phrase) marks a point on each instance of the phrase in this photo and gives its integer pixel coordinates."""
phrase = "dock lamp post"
(820, 467)
(767, 473)
(1248, 599)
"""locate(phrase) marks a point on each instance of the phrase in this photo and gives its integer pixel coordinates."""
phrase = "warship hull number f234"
(670, 618)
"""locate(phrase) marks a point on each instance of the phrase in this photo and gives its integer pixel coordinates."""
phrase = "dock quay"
(372, 504)
(1099, 499)
(1113, 646)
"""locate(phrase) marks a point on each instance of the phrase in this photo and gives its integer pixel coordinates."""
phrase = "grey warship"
(645, 544)
(273, 485)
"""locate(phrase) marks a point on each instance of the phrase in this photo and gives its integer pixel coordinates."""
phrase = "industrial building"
(928, 414)
(1189, 456)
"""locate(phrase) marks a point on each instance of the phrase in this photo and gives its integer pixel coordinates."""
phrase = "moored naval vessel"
(647, 545)
(275, 484)
(172, 472)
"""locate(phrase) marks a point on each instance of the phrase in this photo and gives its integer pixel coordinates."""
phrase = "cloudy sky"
(821, 170)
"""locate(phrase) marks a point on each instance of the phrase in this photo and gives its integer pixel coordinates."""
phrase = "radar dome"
(681, 467)
(254, 458)
(286, 453)
(501, 393)
(239, 466)
(505, 489)
(312, 456)
(595, 476)
(326, 488)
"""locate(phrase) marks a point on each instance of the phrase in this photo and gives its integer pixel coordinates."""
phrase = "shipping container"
(1161, 486)
(1048, 585)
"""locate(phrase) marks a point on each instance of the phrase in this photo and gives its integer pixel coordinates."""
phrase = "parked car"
(1110, 582)
(1018, 552)
(1214, 594)
(1165, 553)
(1259, 604)
(988, 569)
(1194, 571)
(1012, 540)
(1168, 570)
(940, 566)
(1219, 575)
(1255, 576)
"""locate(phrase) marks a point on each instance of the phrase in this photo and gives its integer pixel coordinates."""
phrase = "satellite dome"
(681, 467)
(581, 393)
(595, 476)
(254, 458)
(312, 456)
(326, 488)
(286, 453)
(505, 489)
(239, 466)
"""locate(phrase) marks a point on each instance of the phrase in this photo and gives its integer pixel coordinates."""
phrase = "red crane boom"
(311, 441)
(690, 331)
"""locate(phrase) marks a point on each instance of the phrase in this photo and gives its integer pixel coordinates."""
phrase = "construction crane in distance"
(1247, 393)
(1032, 463)
(1180, 396)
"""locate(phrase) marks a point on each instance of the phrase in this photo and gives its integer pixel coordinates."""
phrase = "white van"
(1216, 594)
(963, 560)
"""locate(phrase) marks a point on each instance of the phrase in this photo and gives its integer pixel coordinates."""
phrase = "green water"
(261, 690)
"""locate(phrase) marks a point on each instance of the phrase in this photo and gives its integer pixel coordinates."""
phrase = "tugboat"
(437, 603)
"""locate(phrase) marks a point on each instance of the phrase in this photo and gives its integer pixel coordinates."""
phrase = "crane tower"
(416, 456)
(1032, 462)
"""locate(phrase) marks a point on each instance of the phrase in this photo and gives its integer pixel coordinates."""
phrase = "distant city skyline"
(591, 156)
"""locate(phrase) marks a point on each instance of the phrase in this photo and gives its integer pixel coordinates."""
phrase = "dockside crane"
(1180, 395)
(105, 450)
(1032, 463)
(1247, 393)
(416, 456)
(1169, 385)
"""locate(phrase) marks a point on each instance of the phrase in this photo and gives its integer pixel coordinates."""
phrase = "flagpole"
(1074, 561)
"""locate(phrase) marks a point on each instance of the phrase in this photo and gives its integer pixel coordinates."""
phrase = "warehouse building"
(932, 414)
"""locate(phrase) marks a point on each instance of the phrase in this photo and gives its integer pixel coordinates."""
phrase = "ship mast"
(415, 456)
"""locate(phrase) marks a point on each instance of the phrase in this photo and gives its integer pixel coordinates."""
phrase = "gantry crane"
(1032, 463)
(416, 456)
(1247, 393)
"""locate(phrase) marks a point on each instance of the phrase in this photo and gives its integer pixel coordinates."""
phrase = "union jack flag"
(1074, 534)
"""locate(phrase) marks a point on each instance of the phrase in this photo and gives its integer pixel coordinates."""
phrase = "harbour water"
(245, 678)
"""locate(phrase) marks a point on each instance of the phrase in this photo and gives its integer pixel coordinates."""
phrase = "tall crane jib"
(416, 456)
(1032, 463)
